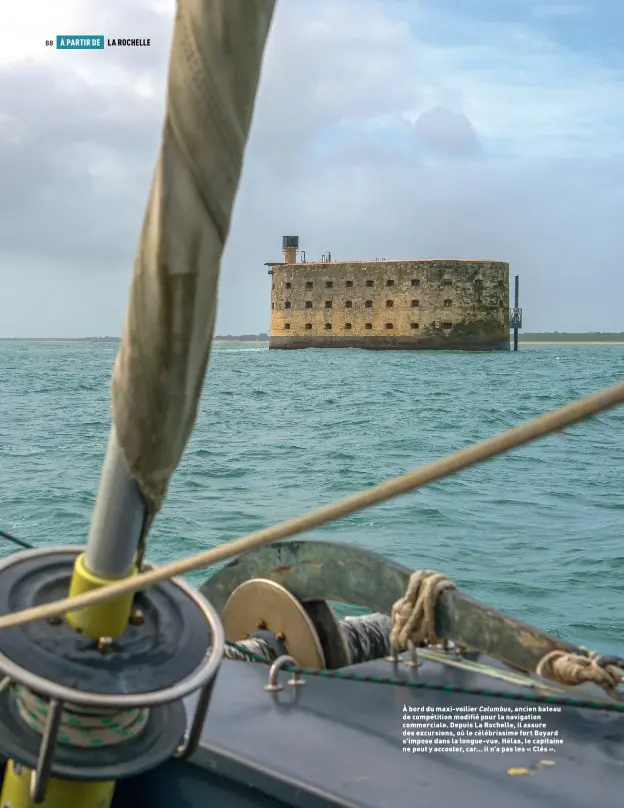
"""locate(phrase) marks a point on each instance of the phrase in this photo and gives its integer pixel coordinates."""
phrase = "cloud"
(368, 121)
(448, 132)
(78, 136)
(560, 10)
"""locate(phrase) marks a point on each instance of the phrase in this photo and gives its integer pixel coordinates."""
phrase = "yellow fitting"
(104, 619)
(59, 794)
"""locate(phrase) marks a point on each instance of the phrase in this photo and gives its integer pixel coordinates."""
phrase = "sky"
(383, 128)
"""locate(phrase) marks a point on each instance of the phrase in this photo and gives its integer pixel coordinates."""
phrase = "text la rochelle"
(125, 43)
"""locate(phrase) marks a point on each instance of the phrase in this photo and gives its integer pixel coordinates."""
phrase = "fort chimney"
(290, 248)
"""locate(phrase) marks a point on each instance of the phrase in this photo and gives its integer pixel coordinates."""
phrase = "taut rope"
(471, 455)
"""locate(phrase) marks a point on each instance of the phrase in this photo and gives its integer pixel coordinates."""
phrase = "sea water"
(537, 533)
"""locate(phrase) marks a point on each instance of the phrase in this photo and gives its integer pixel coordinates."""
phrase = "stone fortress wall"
(410, 305)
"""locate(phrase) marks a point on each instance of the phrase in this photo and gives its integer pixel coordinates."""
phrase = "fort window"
(272, 305)
(329, 284)
(415, 304)
(308, 304)
(348, 326)
(448, 303)
(368, 326)
(370, 283)
(501, 285)
(287, 304)
(328, 304)
(447, 282)
(348, 284)
(272, 286)
(308, 326)
(389, 326)
(414, 325)
(447, 325)
(389, 304)
(390, 282)
(286, 326)
(479, 284)
(309, 285)
(415, 282)
(327, 326)
(348, 304)
(289, 285)
(369, 304)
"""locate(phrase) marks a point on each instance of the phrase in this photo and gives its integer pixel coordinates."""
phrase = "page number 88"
(49, 43)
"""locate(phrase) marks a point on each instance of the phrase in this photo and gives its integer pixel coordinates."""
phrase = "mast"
(118, 517)
(164, 352)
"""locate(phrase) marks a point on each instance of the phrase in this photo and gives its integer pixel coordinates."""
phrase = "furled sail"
(214, 70)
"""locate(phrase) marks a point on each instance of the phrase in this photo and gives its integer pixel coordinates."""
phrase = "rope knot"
(576, 669)
(413, 615)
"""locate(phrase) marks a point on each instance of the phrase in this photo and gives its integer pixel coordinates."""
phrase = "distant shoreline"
(559, 339)
(570, 342)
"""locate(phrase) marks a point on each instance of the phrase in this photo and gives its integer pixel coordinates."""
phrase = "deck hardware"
(136, 618)
(393, 657)
(191, 738)
(47, 752)
(260, 604)
(40, 776)
(413, 661)
(281, 662)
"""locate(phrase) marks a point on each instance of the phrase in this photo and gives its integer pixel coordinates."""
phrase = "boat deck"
(339, 743)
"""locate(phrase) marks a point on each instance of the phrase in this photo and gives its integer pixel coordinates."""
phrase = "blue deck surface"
(339, 743)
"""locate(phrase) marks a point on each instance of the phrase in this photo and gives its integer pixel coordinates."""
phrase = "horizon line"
(266, 335)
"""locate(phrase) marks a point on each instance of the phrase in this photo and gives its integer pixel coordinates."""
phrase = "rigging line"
(376, 679)
(15, 540)
(520, 435)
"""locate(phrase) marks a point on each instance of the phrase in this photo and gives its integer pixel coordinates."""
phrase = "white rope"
(80, 726)
(413, 621)
(413, 615)
(93, 726)
(575, 669)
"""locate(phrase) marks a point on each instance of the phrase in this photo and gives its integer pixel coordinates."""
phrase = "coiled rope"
(81, 726)
(89, 727)
(413, 615)
(517, 436)
(574, 669)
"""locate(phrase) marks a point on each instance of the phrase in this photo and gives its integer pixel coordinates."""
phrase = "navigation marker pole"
(515, 315)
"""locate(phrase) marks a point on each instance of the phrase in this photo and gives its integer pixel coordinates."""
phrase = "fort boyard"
(388, 305)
